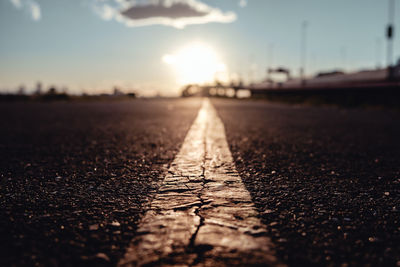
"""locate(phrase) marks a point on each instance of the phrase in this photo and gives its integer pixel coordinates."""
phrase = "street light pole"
(303, 48)
(390, 33)
(270, 59)
(378, 53)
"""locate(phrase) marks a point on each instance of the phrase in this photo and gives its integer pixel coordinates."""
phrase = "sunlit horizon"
(196, 63)
(112, 43)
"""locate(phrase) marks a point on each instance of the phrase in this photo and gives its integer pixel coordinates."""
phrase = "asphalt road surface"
(76, 177)
(326, 180)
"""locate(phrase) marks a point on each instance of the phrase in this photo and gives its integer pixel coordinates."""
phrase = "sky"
(156, 46)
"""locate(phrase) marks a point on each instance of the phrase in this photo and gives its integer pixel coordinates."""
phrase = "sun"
(196, 63)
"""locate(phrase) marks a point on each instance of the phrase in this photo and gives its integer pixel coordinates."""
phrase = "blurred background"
(157, 47)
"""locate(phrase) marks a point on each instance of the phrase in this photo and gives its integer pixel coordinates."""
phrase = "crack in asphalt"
(202, 214)
(192, 248)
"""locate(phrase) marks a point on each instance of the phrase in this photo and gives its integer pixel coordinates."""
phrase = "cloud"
(175, 13)
(243, 3)
(17, 3)
(35, 10)
(29, 5)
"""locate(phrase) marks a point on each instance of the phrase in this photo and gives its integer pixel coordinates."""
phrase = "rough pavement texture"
(202, 214)
(326, 180)
(75, 177)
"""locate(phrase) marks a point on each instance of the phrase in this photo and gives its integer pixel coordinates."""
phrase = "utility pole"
(303, 51)
(270, 59)
(378, 53)
(343, 54)
(271, 55)
(389, 36)
(252, 69)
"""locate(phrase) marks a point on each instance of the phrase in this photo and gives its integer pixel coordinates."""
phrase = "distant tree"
(117, 91)
(53, 95)
(217, 83)
(21, 90)
(38, 90)
(52, 91)
(64, 90)
(186, 91)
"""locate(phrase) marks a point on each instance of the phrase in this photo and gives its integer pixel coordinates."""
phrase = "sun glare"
(196, 64)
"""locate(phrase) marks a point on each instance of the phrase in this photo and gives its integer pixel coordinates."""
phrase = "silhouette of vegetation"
(53, 94)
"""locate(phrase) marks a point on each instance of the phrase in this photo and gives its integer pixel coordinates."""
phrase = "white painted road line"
(202, 214)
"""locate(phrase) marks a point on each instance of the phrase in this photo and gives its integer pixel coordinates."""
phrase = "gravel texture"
(326, 180)
(75, 177)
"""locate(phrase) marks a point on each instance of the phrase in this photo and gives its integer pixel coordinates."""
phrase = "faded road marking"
(202, 214)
